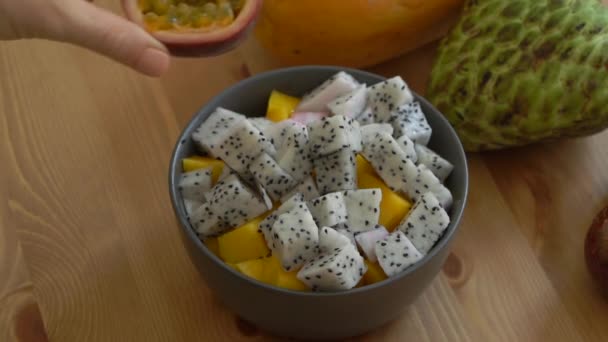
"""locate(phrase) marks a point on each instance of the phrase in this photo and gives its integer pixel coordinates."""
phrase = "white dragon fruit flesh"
(263, 194)
(437, 164)
(190, 206)
(325, 228)
(362, 208)
(307, 187)
(367, 241)
(339, 270)
(410, 120)
(212, 130)
(330, 239)
(294, 237)
(226, 172)
(328, 210)
(333, 133)
(270, 176)
(355, 135)
(262, 124)
(194, 184)
(287, 133)
(421, 180)
(296, 161)
(396, 253)
(369, 131)
(350, 104)
(308, 117)
(235, 203)
(389, 161)
(336, 171)
(384, 97)
(242, 143)
(344, 229)
(317, 99)
(296, 200)
(206, 222)
(425, 223)
(366, 117)
(408, 146)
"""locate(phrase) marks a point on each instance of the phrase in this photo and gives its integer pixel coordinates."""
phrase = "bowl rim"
(201, 247)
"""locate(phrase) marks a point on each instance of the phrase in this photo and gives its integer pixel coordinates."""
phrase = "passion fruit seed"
(225, 13)
(183, 13)
(151, 17)
(161, 7)
(172, 16)
(211, 9)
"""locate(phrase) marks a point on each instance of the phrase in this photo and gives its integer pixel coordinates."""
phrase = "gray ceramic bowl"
(310, 315)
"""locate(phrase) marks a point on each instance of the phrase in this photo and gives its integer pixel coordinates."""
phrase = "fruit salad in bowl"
(312, 191)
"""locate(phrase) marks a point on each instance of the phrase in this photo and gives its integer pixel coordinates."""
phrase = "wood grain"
(87, 235)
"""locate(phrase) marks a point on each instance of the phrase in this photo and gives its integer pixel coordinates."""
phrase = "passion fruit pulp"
(195, 28)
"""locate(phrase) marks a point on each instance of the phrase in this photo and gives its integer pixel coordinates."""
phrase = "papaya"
(354, 33)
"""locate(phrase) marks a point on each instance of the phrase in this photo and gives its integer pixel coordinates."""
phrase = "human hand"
(82, 23)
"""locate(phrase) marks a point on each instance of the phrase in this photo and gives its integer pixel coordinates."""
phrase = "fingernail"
(153, 62)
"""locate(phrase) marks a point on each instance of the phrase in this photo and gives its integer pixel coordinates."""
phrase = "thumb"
(115, 37)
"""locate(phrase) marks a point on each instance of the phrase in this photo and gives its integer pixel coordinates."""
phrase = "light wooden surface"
(89, 249)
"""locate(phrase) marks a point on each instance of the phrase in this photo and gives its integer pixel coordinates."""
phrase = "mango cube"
(198, 162)
(213, 245)
(393, 206)
(374, 273)
(243, 243)
(275, 275)
(363, 166)
(252, 268)
(280, 106)
(272, 267)
(289, 280)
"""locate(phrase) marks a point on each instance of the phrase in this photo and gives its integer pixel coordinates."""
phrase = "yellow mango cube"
(289, 280)
(243, 243)
(275, 275)
(272, 267)
(393, 206)
(363, 166)
(198, 162)
(252, 268)
(280, 106)
(213, 245)
(374, 273)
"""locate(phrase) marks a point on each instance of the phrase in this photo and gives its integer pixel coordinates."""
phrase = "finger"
(87, 25)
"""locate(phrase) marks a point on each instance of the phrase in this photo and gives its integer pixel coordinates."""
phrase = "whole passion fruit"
(596, 249)
(195, 28)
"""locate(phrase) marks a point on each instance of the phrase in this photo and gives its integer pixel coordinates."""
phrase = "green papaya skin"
(512, 73)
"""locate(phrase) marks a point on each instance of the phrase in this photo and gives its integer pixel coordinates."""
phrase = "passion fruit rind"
(210, 49)
(189, 14)
(195, 28)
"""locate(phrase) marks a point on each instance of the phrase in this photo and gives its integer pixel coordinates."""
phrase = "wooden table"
(89, 249)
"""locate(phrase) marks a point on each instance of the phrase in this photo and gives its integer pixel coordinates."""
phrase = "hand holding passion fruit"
(195, 27)
(82, 23)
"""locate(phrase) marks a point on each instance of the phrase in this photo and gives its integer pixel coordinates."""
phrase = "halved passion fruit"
(195, 27)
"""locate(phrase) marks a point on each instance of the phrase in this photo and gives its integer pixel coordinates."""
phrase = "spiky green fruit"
(516, 72)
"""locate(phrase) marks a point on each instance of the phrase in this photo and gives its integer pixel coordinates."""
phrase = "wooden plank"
(554, 202)
(92, 212)
(87, 234)
(504, 288)
(20, 318)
